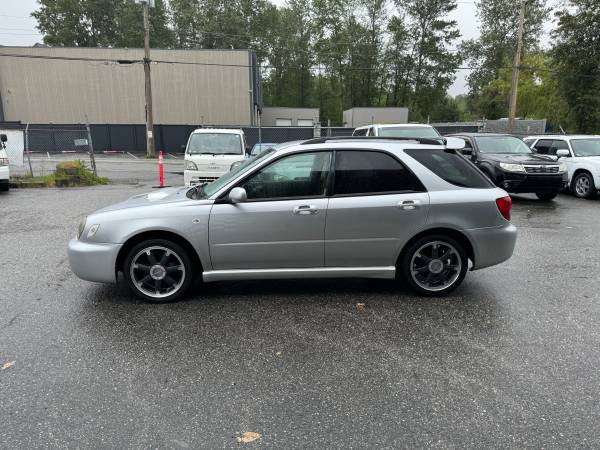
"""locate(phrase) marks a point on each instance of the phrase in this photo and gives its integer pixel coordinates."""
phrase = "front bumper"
(193, 177)
(521, 183)
(93, 262)
(492, 245)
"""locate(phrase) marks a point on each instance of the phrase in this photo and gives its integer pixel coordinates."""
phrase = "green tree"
(577, 64)
(100, 23)
(495, 48)
(423, 63)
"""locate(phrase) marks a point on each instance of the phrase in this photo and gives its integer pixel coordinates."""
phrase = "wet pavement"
(510, 360)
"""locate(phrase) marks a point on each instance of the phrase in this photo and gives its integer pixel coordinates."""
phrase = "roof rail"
(428, 141)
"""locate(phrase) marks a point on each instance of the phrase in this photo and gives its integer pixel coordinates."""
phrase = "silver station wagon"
(329, 207)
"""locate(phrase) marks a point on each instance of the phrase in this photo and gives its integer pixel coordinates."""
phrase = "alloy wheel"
(435, 266)
(157, 271)
(582, 186)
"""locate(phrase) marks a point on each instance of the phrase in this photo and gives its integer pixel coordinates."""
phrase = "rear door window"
(451, 167)
(371, 172)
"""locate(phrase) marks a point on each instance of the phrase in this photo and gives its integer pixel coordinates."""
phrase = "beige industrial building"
(190, 87)
(279, 116)
(358, 117)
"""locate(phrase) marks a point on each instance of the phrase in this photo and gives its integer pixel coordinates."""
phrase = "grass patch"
(67, 174)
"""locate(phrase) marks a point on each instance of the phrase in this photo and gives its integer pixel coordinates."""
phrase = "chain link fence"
(75, 141)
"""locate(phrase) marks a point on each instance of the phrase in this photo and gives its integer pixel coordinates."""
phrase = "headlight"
(562, 167)
(93, 230)
(81, 227)
(190, 165)
(512, 167)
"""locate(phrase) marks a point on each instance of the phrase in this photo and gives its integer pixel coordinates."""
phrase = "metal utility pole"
(150, 152)
(515, 72)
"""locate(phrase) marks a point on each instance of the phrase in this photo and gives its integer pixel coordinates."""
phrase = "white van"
(210, 152)
(4, 170)
(416, 130)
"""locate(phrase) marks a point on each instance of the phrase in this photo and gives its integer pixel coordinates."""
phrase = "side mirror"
(238, 195)
(562, 153)
(454, 143)
(3, 138)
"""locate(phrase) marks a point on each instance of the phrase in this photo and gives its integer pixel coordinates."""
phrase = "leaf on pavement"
(248, 436)
(8, 365)
(361, 306)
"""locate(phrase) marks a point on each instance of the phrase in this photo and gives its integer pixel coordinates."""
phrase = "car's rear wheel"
(158, 270)
(583, 185)
(434, 265)
(546, 196)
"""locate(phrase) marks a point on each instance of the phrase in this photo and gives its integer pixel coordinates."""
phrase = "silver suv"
(330, 207)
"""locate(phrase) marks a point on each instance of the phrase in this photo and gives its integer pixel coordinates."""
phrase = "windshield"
(502, 145)
(204, 191)
(215, 144)
(586, 147)
(416, 132)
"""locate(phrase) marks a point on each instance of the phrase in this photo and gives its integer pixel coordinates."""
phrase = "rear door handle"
(305, 210)
(409, 205)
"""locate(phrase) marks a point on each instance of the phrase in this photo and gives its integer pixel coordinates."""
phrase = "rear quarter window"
(451, 167)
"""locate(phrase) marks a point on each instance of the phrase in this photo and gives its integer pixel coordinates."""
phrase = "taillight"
(504, 205)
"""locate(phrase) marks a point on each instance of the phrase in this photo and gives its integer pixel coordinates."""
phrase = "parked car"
(4, 169)
(580, 153)
(512, 165)
(210, 152)
(328, 207)
(260, 147)
(416, 130)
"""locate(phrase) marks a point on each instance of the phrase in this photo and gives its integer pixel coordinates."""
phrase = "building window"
(283, 122)
(305, 123)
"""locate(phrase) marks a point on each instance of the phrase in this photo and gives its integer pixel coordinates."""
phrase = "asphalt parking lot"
(510, 360)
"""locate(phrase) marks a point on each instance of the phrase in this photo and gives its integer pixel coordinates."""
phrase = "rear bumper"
(527, 183)
(93, 262)
(4, 174)
(492, 245)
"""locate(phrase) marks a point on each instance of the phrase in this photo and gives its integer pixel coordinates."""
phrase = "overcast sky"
(17, 28)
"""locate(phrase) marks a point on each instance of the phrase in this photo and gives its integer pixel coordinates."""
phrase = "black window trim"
(331, 186)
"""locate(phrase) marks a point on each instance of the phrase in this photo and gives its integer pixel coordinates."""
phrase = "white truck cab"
(416, 130)
(210, 152)
(4, 170)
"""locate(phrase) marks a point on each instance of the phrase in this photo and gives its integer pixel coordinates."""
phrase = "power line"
(245, 66)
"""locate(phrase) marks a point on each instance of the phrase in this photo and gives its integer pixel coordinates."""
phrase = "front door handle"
(305, 210)
(409, 205)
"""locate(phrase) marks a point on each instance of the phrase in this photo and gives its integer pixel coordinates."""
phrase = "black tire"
(153, 274)
(409, 261)
(4, 187)
(582, 181)
(546, 196)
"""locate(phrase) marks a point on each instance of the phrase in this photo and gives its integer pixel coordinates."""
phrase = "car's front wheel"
(158, 270)
(434, 265)
(583, 185)
(546, 196)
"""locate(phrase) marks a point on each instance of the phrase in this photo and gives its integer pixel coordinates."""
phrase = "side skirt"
(388, 272)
